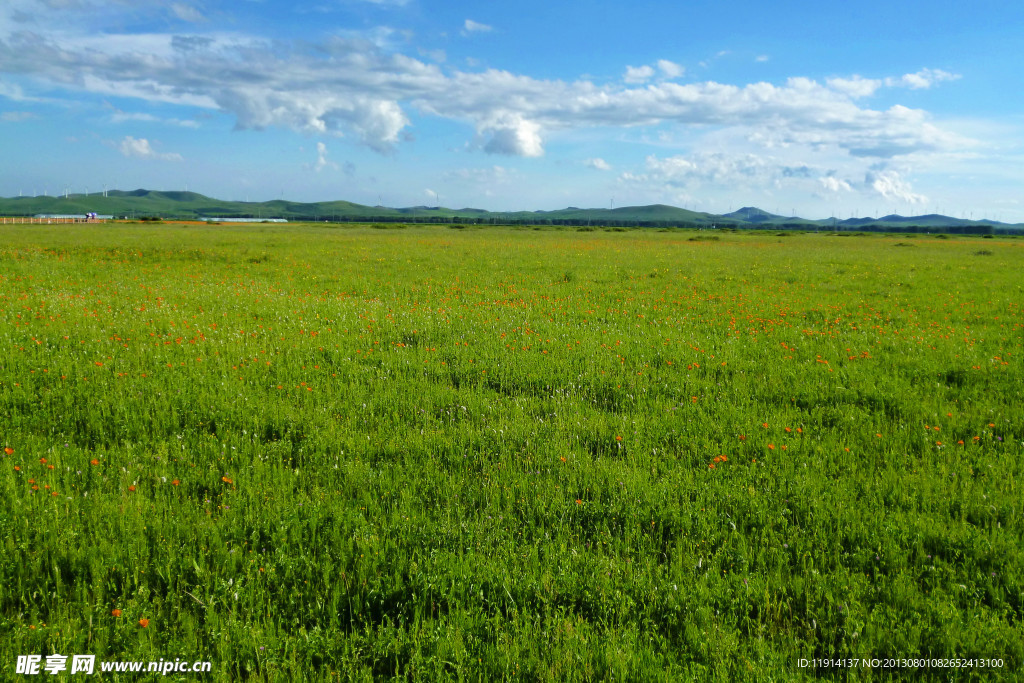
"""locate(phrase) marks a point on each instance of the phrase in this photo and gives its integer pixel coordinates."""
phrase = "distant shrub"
(903, 244)
(984, 252)
(585, 228)
(704, 238)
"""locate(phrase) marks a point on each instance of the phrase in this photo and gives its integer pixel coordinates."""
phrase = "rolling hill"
(192, 205)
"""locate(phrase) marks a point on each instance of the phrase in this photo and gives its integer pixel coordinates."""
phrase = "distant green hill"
(192, 205)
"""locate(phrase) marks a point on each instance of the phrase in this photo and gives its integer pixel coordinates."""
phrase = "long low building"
(243, 220)
(74, 216)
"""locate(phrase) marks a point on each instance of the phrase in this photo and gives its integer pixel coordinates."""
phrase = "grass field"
(333, 453)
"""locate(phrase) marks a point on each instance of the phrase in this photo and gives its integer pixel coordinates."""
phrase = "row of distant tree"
(625, 223)
(618, 223)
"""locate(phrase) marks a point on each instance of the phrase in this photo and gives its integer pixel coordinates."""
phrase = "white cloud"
(352, 85)
(832, 184)
(702, 172)
(321, 158)
(471, 26)
(670, 69)
(141, 149)
(923, 79)
(890, 185)
(761, 59)
(855, 86)
(512, 134)
(186, 12)
(598, 164)
(121, 116)
(638, 74)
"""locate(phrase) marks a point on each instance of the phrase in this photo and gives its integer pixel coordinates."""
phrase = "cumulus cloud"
(925, 78)
(670, 69)
(598, 164)
(121, 116)
(701, 173)
(186, 12)
(683, 175)
(141, 149)
(832, 185)
(857, 86)
(638, 74)
(718, 168)
(321, 158)
(891, 185)
(471, 26)
(512, 134)
(356, 86)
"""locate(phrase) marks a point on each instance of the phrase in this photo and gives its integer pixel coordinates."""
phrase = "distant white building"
(244, 220)
(74, 216)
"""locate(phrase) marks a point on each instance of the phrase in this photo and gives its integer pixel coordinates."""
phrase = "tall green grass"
(327, 452)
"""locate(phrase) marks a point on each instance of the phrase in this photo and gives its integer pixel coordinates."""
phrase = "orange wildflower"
(94, 461)
(175, 482)
(9, 451)
(132, 487)
(143, 622)
(115, 612)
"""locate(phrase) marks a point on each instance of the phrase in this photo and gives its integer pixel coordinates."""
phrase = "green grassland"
(309, 452)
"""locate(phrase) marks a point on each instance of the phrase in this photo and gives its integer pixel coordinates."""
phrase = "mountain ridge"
(193, 205)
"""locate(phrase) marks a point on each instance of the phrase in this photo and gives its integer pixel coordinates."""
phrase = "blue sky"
(820, 109)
